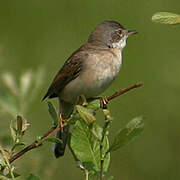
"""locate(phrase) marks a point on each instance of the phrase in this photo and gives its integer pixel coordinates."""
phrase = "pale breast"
(99, 70)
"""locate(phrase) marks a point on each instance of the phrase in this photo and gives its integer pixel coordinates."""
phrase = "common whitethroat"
(89, 71)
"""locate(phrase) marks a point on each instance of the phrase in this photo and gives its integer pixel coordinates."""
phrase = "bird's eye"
(119, 32)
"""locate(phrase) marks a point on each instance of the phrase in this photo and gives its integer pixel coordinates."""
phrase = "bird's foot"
(103, 102)
(61, 123)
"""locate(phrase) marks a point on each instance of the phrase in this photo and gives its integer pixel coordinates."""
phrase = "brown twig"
(122, 91)
(34, 145)
(104, 101)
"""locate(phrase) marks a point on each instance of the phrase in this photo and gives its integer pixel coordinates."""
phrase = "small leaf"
(86, 147)
(5, 171)
(125, 135)
(13, 128)
(85, 114)
(107, 114)
(95, 105)
(166, 18)
(39, 138)
(32, 177)
(18, 126)
(53, 140)
(53, 113)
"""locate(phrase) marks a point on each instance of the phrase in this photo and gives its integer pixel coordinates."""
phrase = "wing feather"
(70, 70)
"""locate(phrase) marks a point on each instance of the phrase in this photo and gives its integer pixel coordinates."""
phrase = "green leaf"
(13, 128)
(166, 18)
(125, 135)
(87, 148)
(53, 113)
(18, 126)
(39, 138)
(85, 114)
(53, 140)
(107, 114)
(95, 105)
(32, 177)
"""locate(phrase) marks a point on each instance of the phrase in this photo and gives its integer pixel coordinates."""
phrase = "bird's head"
(110, 34)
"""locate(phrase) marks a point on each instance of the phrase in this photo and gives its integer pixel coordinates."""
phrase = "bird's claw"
(103, 103)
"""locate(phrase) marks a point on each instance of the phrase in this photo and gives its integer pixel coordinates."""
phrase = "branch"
(122, 91)
(34, 145)
(105, 101)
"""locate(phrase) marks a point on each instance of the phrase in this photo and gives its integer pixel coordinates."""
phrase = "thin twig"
(105, 101)
(122, 91)
(105, 128)
(34, 145)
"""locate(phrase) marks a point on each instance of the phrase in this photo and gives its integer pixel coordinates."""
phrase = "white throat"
(121, 44)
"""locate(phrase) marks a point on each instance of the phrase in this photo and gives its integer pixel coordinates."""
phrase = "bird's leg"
(61, 122)
(103, 102)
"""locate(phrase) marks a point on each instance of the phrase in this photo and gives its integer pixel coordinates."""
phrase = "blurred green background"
(42, 33)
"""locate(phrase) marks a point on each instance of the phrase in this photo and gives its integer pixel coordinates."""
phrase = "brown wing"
(70, 70)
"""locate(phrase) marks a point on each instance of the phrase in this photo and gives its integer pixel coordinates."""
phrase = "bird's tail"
(59, 148)
(66, 109)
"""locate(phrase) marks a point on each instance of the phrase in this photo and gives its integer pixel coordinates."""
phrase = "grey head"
(110, 34)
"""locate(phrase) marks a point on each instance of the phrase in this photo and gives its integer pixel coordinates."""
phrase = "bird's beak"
(130, 32)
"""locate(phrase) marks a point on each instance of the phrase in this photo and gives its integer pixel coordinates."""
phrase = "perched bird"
(88, 71)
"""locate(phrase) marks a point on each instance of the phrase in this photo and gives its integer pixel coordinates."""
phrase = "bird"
(89, 71)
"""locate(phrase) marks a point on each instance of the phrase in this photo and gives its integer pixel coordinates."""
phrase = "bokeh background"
(42, 33)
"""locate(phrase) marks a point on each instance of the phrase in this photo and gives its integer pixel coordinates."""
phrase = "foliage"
(166, 18)
(88, 141)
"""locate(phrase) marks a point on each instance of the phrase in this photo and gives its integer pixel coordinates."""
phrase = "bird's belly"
(99, 80)
(93, 80)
